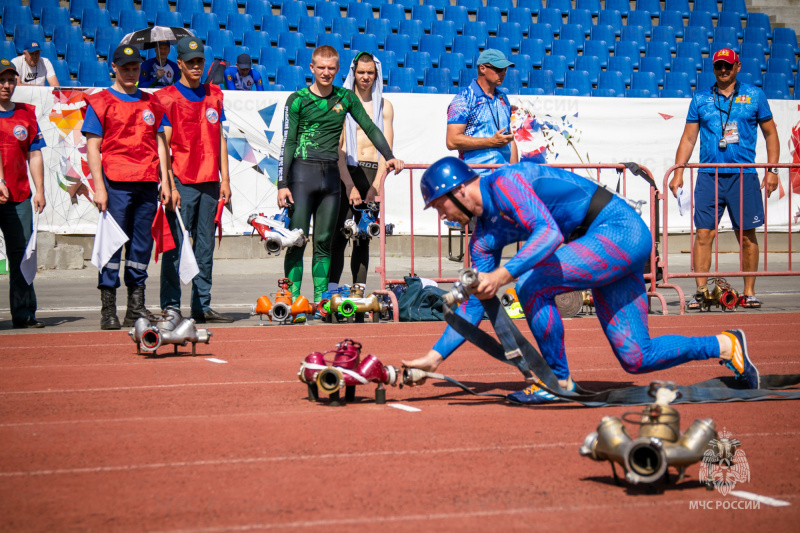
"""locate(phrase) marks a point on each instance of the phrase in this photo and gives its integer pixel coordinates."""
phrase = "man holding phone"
(479, 117)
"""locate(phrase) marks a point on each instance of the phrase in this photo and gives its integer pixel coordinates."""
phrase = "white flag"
(684, 200)
(108, 238)
(28, 265)
(187, 268)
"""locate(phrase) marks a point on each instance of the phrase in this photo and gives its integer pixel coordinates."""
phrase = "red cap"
(727, 55)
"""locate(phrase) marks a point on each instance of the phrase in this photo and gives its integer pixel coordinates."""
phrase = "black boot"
(136, 308)
(108, 313)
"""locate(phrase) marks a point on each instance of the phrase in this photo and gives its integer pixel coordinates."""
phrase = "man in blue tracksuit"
(242, 76)
(605, 245)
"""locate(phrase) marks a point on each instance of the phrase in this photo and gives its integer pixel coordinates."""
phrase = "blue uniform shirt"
(251, 82)
(483, 117)
(528, 203)
(710, 110)
(149, 76)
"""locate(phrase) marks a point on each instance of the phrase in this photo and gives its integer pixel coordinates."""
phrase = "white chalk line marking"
(404, 407)
(215, 360)
(766, 500)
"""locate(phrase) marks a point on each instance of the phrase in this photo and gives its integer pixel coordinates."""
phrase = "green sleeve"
(374, 133)
(291, 118)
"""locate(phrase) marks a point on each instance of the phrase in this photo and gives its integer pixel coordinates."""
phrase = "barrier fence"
(622, 171)
(666, 195)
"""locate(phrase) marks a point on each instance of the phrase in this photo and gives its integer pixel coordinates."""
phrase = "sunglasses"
(722, 65)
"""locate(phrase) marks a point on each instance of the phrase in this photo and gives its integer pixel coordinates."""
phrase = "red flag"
(218, 218)
(161, 232)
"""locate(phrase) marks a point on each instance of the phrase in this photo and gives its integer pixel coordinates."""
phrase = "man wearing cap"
(20, 150)
(193, 117)
(34, 69)
(725, 116)
(479, 117)
(159, 71)
(242, 77)
(127, 155)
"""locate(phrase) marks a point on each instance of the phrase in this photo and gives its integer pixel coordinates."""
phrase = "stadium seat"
(478, 30)
(439, 78)
(93, 74)
(379, 28)
(783, 51)
(345, 26)
(405, 78)
(535, 49)
(623, 65)
(331, 39)
(755, 36)
(562, 5)
(580, 80)
(784, 36)
(665, 34)
(425, 89)
(293, 10)
(543, 79)
(394, 13)
(413, 30)
(590, 65)
(434, 45)
(503, 5)
(612, 80)
(399, 44)
(107, 37)
(657, 49)
(701, 20)
(623, 6)
(186, 8)
(388, 61)
(131, 21)
(407, 4)
(303, 60)
(599, 49)
(76, 8)
(291, 42)
(230, 53)
(695, 34)
(746, 77)
(610, 18)
(524, 64)
(543, 32)
(651, 6)
(151, 7)
(573, 32)
(361, 12)
(240, 24)
(511, 31)
(685, 65)
(534, 5)
(705, 80)
(77, 52)
(708, 65)
(706, 6)
(634, 34)
(781, 66)
(364, 43)
(64, 35)
(642, 19)
(274, 87)
(440, 5)
(491, 17)
(760, 20)
(36, 6)
(219, 39)
(593, 6)
(376, 4)
(419, 61)
(467, 45)
(48, 50)
(653, 65)
(671, 19)
(94, 18)
(568, 49)
(734, 6)
(557, 65)
(466, 75)
(752, 66)
(328, 12)
(776, 86)
(446, 29)
(256, 40)
(628, 49)
(522, 16)
(552, 17)
(61, 70)
(582, 17)
(681, 6)
(499, 43)
(24, 33)
(726, 35)
(7, 49)
(425, 14)
(52, 17)
(271, 58)
(291, 77)
(454, 63)
(678, 81)
(202, 23)
(731, 20)
(512, 83)
(169, 19)
(716, 46)
(310, 27)
(606, 93)
(691, 50)
(392, 89)
(640, 93)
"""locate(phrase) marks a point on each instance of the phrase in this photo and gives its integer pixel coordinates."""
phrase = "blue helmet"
(443, 176)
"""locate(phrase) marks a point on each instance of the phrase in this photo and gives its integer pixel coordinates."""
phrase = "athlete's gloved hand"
(395, 164)
(285, 198)
(489, 284)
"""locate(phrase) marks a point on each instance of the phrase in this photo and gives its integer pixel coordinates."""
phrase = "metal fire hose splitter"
(721, 295)
(367, 227)
(275, 231)
(465, 285)
(169, 327)
(343, 367)
(660, 443)
(284, 308)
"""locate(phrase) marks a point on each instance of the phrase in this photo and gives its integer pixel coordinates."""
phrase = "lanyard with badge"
(730, 129)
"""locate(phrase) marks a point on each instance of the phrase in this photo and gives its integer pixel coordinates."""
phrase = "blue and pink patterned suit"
(539, 206)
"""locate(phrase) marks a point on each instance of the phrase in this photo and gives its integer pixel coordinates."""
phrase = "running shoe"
(740, 361)
(532, 395)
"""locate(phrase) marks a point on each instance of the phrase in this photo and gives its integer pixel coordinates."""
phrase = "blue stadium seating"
(94, 18)
(202, 23)
(303, 60)
(331, 39)
(593, 6)
(656, 49)
(107, 37)
(77, 52)
(399, 44)
(388, 61)
(783, 51)
(64, 35)
(380, 28)
(573, 32)
(76, 8)
(169, 19)
(544, 80)
(776, 86)
(623, 6)
(36, 6)
(623, 65)
(327, 11)
(511, 31)
(756, 36)
(219, 39)
(454, 63)
(557, 65)
(715, 46)
(48, 50)
(685, 65)
(522, 16)
(752, 66)
(376, 4)
(599, 49)
(61, 70)
(503, 5)
(726, 35)
(131, 21)
(291, 42)
(186, 8)
(706, 6)
(425, 89)
(543, 32)
(640, 93)
(274, 87)
(695, 34)
(419, 61)
(580, 80)
(681, 6)
(785, 36)
(256, 40)
(413, 29)
(691, 50)
(628, 49)
(702, 20)
(671, 19)
(705, 80)
(434, 45)
(735, 6)
(274, 25)
(271, 58)
(440, 5)
(23, 33)
(534, 5)
(364, 42)
(392, 89)
(634, 34)
(611, 80)
(394, 13)
(610, 18)
(468, 46)
(7, 49)
(678, 81)
(653, 65)
(424, 14)
(760, 20)
(651, 6)
(361, 12)
(407, 4)
(665, 34)
(310, 27)
(524, 64)
(16, 15)
(291, 77)
(535, 49)
(641, 18)
(581, 17)
(499, 43)
(606, 93)
(439, 78)
(93, 74)
(345, 26)
(552, 17)
(444, 28)
(466, 75)
(512, 83)
(293, 10)
(568, 49)
(565, 6)
(405, 78)
(241, 24)
(590, 65)
(478, 30)
(731, 20)
(471, 5)
(52, 17)
(781, 66)
(151, 7)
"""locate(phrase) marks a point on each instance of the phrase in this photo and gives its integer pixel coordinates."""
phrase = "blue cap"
(32, 46)
(495, 58)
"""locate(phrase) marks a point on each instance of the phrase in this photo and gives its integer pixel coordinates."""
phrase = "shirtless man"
(360, 164)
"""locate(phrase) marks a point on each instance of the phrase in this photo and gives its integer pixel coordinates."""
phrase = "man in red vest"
(127, 155)
(20, 148)
(193, 117)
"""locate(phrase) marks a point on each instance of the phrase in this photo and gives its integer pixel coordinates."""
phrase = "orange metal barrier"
(622, 171)
(667, 194)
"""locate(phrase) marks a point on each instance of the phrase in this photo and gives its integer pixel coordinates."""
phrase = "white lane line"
(766, 500)
(215, 360)
(404, 407)
(144, 387)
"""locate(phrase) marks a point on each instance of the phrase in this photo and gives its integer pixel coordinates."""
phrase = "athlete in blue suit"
(566, 246)
(242, 76)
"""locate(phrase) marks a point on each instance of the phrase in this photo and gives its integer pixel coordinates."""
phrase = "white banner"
(563, 130)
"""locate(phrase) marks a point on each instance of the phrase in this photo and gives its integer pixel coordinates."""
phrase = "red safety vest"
(129, 147)
(16, 135)
(195, 133)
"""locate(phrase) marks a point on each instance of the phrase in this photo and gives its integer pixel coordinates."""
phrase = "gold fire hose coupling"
(466, 283)
(659, 444)
(722, 295)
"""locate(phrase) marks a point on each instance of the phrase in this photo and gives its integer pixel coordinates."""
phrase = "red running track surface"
(96, 437)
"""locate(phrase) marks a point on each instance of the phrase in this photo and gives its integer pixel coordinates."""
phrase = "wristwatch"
(772, 170)
(3, 182)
